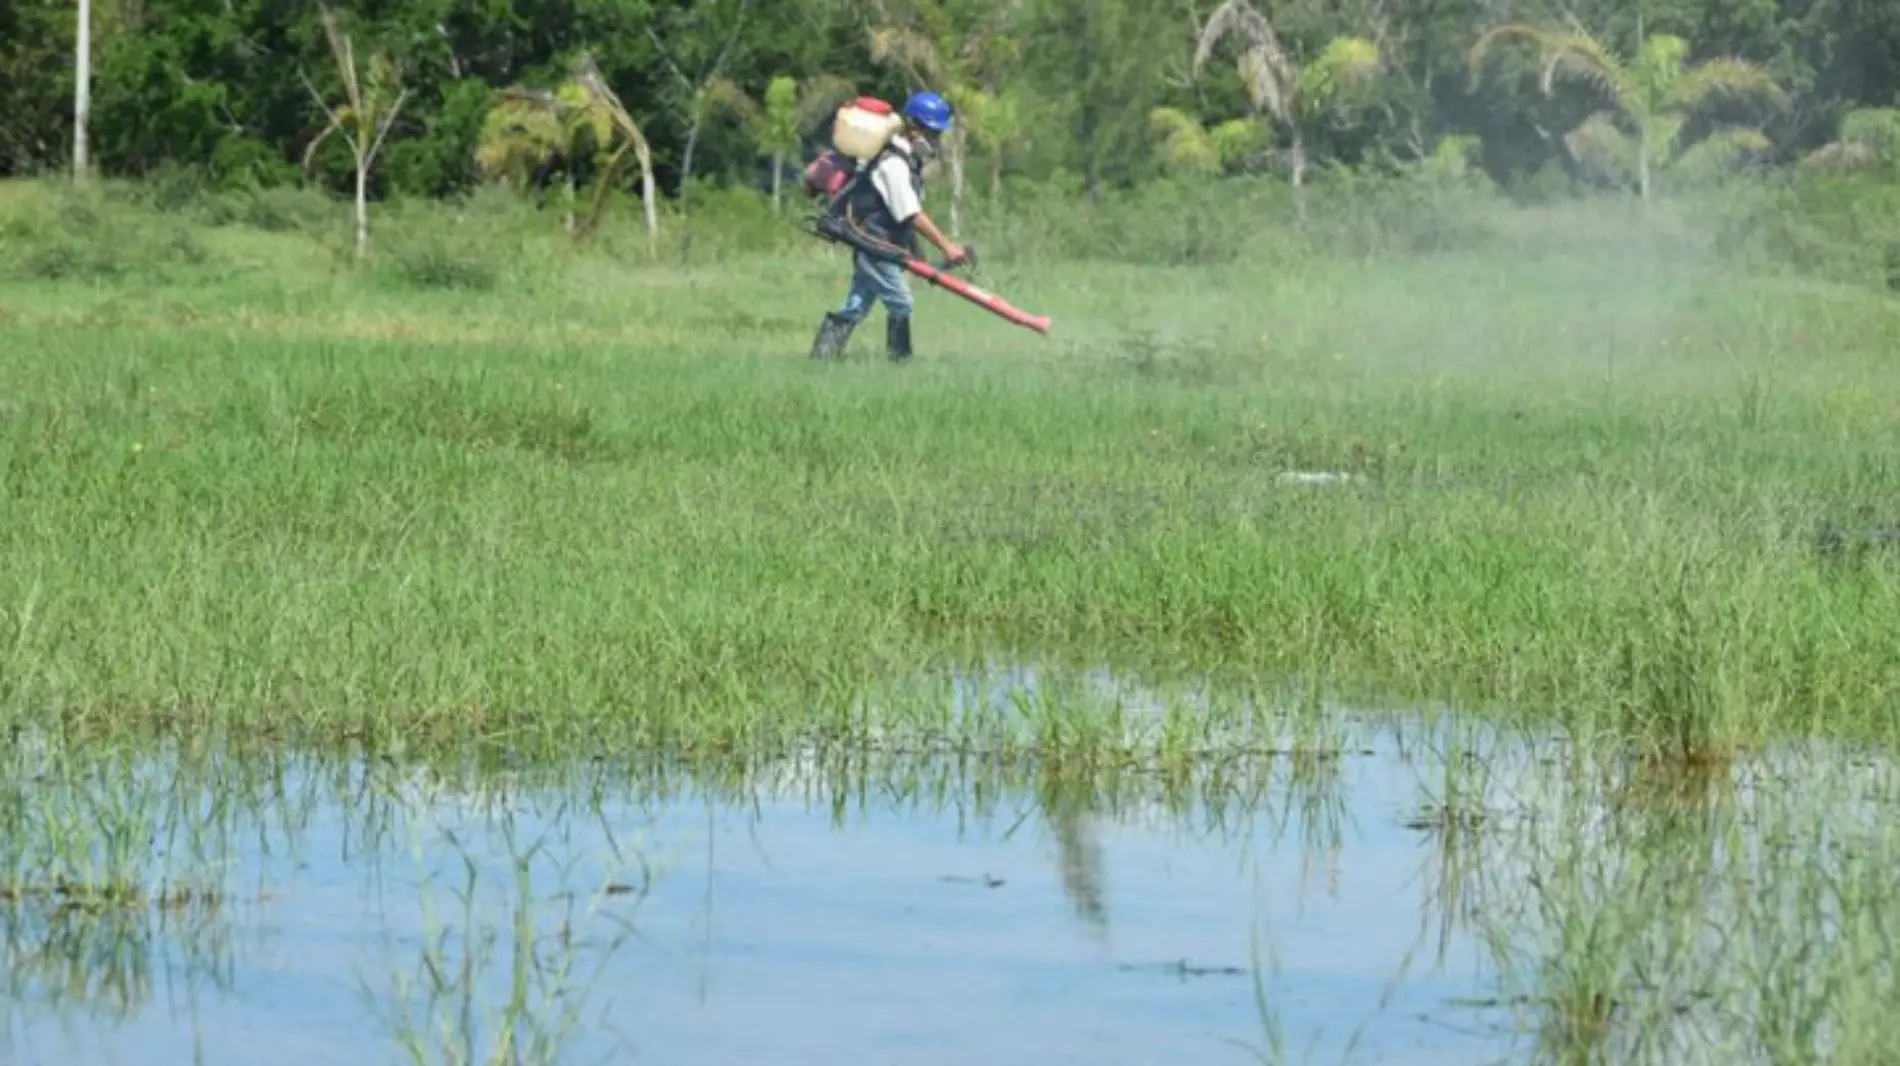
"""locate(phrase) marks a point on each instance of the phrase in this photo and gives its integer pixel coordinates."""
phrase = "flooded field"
(1411, 892)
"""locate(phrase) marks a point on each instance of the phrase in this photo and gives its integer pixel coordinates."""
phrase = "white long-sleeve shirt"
(892, 180)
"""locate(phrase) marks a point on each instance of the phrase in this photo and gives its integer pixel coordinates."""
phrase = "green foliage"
(1869, 139)
(218, 88)
(1655, 95)
(1186, 146)
(1843, 227)
(1342, 69)
(94, 234)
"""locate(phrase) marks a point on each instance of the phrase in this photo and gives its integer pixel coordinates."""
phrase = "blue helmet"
(928, 110)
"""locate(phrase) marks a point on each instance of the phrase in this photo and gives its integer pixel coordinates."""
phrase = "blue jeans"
(873, 280)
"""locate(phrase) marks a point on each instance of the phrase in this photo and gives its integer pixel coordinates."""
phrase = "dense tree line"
(1108, 91)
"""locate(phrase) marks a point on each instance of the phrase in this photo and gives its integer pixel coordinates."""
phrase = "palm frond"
(1574, 52)
(1841, 155)
(1721, 150)
(385, 80)
(343, 50)
(521, 129)
(310, 151)
(1345, 64)
(1582, 56)
(1490, 39)
(580, 110)
(587, 75)
(1266, 89)
(1240, 18)
(911, 52)
(1724, 77)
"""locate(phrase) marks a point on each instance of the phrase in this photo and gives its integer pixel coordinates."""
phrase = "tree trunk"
(362, 206)
(996, 177)
(647, 195)
(571, 193)
(957, 145)
(82, 91)
(1297, 159)
(686, 158)
(1642, 162)
(778, 174)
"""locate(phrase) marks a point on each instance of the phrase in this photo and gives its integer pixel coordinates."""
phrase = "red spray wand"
(938, 274)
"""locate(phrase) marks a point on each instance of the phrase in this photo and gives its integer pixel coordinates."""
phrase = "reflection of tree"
(1081, 861)
(1068, 807)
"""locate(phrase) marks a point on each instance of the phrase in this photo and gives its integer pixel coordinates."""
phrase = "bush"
(1837, 227)
(427, 247)
(476, 242)
(276, 209)
(56, 232)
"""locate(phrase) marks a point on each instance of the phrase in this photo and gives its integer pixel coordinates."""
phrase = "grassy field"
(491, 489)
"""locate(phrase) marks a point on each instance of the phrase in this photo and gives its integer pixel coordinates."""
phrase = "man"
(889, 205)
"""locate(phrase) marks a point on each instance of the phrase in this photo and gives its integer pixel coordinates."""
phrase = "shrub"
(58, 232)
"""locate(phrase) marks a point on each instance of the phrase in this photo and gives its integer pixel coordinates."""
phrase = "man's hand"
(951, 249)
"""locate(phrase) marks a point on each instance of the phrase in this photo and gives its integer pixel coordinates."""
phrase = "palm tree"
(364, 119)
(528, 128)
(1291, 95)
(790, 108)
(1655, 96)
(601, 96)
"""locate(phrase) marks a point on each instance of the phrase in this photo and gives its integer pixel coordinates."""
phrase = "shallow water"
(913, 914)
(787, 926)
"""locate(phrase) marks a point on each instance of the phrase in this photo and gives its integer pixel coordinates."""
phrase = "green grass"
(594, 501)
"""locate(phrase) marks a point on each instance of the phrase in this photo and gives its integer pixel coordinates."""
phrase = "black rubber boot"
(897, 339)
(833, 333)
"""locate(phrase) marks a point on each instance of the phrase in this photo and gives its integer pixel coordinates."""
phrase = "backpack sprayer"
(862, 128)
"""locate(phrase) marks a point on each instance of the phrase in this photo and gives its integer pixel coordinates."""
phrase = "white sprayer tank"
(863, 127)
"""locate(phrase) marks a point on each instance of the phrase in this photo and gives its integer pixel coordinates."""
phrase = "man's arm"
(930, 231)
(892, 179)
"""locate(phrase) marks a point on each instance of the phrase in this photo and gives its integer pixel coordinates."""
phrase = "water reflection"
(1078, 855)
(1386, 892)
